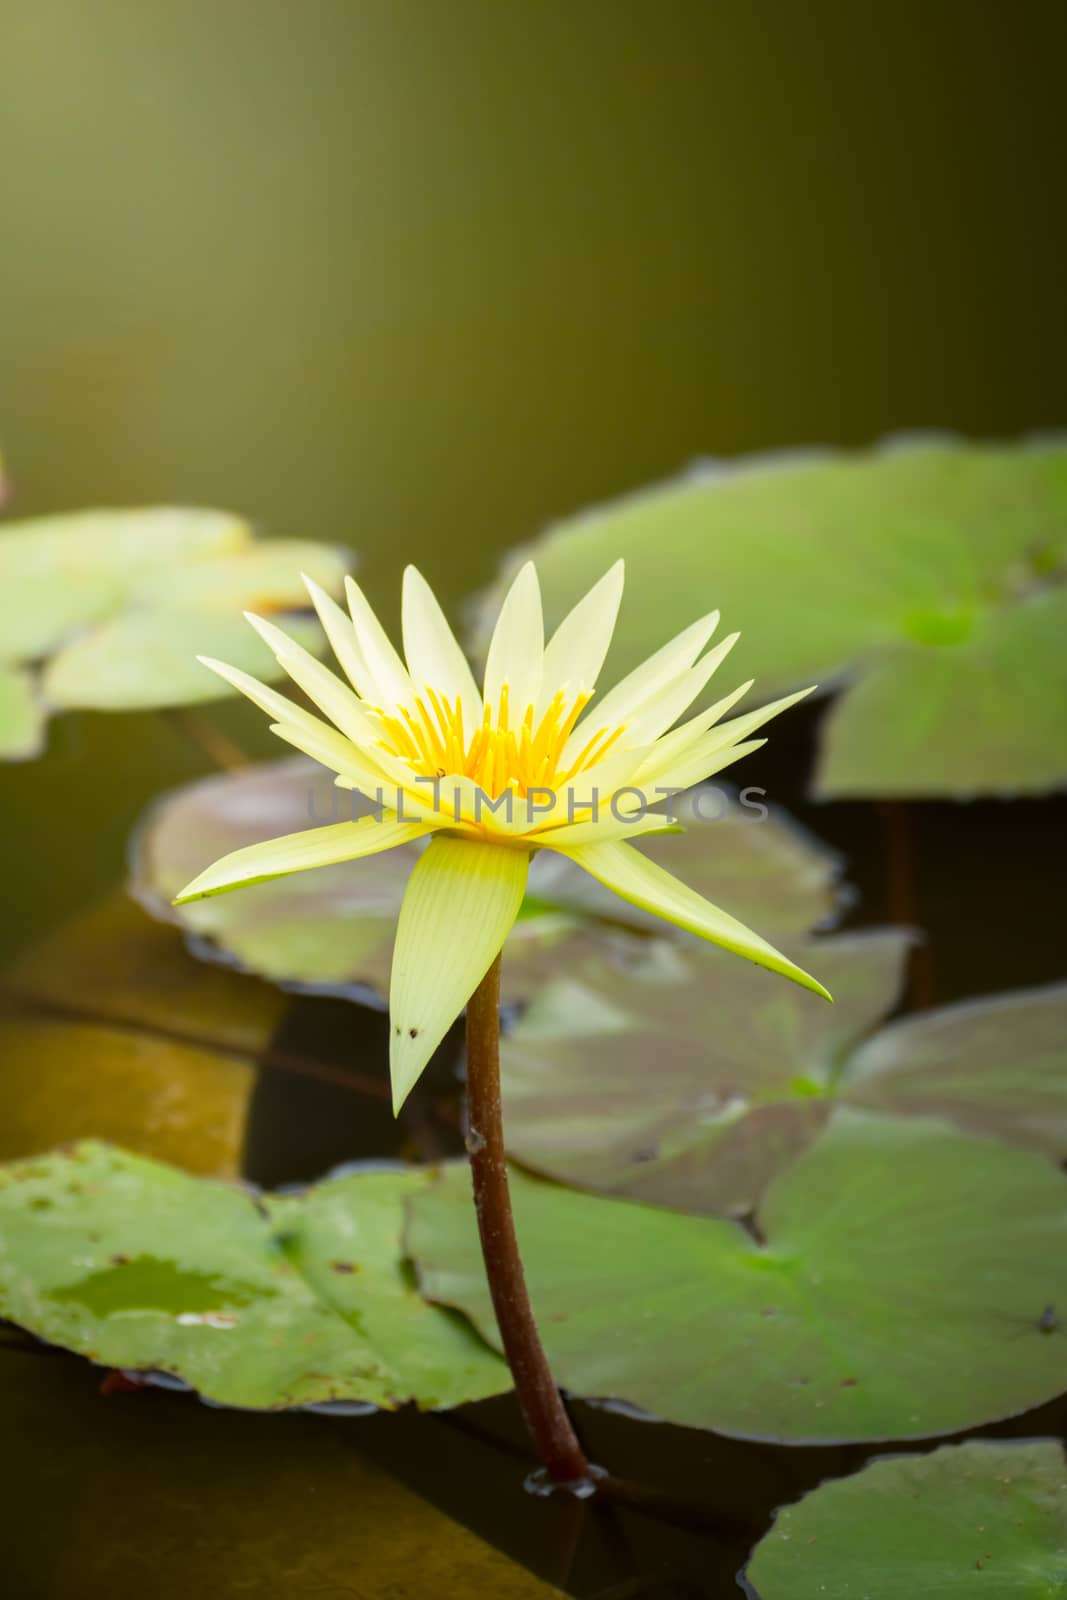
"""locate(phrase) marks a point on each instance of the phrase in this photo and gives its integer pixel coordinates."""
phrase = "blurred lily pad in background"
(21, 716)
(331, 929)
(107, 610)
(689, 1081)
(265, 1304)
(977, 1518)
(892, 1286)
(923, 579)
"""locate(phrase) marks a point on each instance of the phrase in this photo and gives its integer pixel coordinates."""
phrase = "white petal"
(663, 709)
(610, 826)
(678, 743)
(433, 655)
(391, 684)
(575, 653)
(332, 696)
(340, 755)
(630, 693)
(267, 699)
(708, 746)
(296, 852)
(691, 769)
(517, 648)
(644, 884)
(341, 632)
(460, 904)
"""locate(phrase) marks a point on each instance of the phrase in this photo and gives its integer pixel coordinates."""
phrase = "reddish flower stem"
(542, 1405)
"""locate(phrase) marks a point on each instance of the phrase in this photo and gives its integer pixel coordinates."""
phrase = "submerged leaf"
(896, 1289)
(186, 1500)
(924, 579)
(113, 1031)
(986, 1517)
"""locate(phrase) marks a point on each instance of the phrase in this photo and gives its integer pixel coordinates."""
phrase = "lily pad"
(684, 1082)
(687, 1080)
(896, 1288)
(21, 717)
(331, 929)
(996, 1066)
(980, 1517)
(261, 1304)
(114, 606)
(923, 579)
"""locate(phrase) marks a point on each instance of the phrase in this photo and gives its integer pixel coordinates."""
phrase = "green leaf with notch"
(923, 578)
(262, 1303)
(978, 1518)
(688, 1081)
(896, 1288)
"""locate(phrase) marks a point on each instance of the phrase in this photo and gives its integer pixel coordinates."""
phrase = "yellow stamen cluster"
(497, 756)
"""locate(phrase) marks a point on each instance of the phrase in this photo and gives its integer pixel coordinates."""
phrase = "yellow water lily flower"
(531, 761)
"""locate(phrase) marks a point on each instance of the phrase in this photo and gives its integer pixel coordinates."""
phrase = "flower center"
(498, 755)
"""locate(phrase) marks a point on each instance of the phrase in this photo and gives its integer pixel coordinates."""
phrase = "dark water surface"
(416, 277)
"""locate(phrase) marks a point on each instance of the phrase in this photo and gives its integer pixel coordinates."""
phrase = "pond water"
(417, 280)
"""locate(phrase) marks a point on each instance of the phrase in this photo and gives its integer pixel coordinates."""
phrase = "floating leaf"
(63, 572)
(922, 579)
(897, 1292)
(689, 1082)
(117, 605)
(148, 659)
(996, 1066)
(976, 1518)
(261, 1304)
(21, 717)
(331, 929)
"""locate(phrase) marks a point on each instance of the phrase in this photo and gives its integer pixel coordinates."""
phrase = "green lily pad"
(976, 1518)
(261, 1304)
(897, 1290)
(687, 1080)
(921, 580)
(21, 717)
(145, 660)
(331, 929)
(746, 1072)
(996, 1066)
(116, 605)
(62, 573)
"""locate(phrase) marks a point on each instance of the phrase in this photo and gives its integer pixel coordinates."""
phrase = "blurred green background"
(418, 276)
